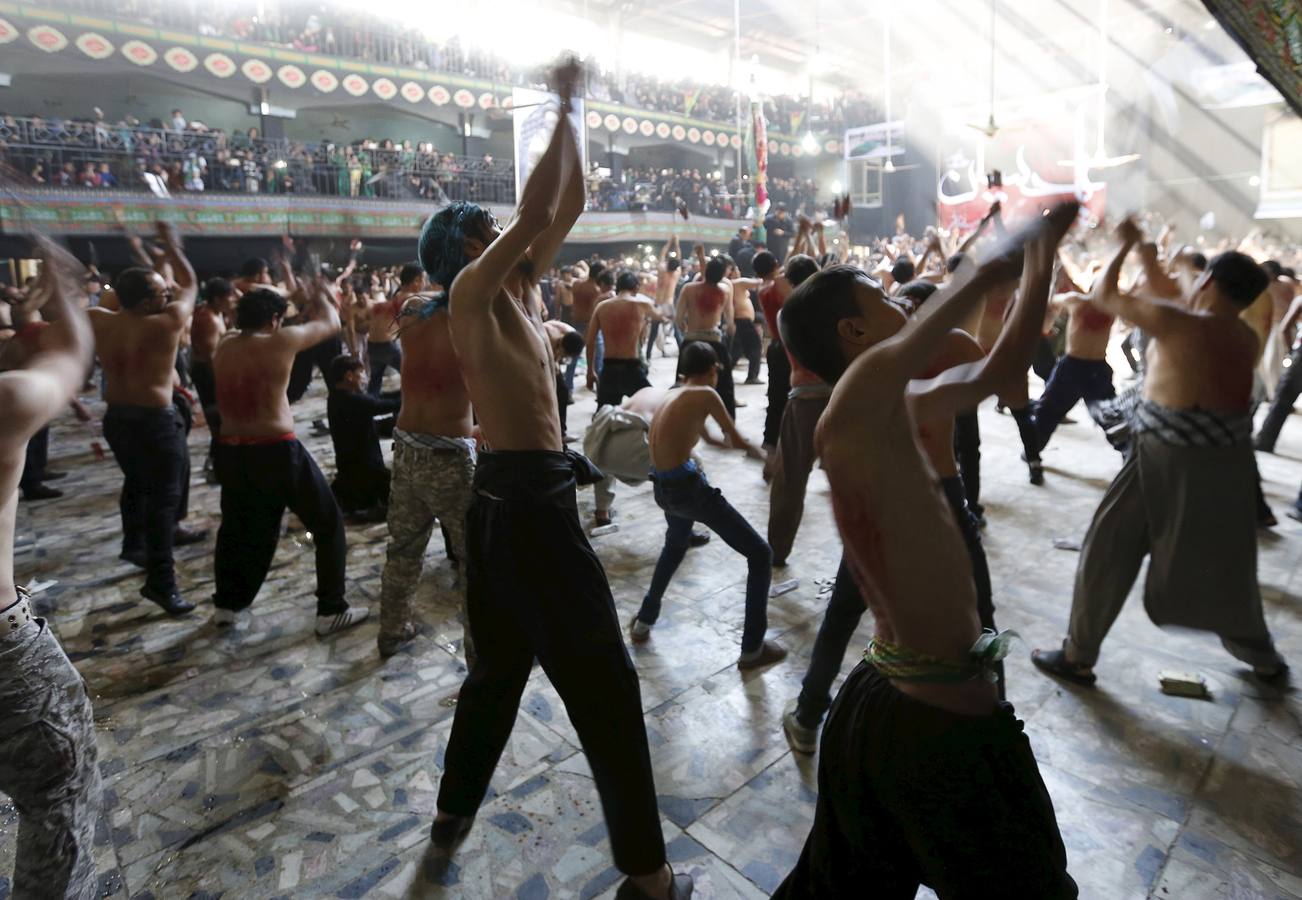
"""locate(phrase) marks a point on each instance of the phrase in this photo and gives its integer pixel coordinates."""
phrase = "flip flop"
(1055, 662)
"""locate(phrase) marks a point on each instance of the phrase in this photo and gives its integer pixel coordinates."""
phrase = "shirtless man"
(433, 467)
(535, 589)
(667, 275)
(261, 466)
(567, 344)
(137, 348)
(619, 321)
(846, 605)
(381, 346)
(924, 777)
(774, 288)
(47, 730)
(1015, 396)
(746, 338)
(1288, 384)
(678, 422)
(703, 306)
(586, 293)
(565, 295)
(1186, 493)
(211, 320)
(793, 458)
(1083, 371)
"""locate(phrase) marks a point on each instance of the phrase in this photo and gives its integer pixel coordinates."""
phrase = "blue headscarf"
(441, 249)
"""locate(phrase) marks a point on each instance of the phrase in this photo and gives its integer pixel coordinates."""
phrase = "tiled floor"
(269, 763)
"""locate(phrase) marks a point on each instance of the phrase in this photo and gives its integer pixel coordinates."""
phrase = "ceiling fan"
(990, 129)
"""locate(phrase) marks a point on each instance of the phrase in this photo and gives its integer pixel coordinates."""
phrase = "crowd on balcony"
(698, 193)
(312, 28)
(175, 155)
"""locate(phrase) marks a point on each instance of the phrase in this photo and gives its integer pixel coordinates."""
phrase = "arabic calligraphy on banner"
(1045, 148)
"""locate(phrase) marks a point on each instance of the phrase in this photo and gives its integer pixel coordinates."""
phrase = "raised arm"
(354, 249)
(909, 353)
(822, 239)
(1153, 316)
(555, 184)
(34, 394)
(670, 245)
(321, 318)
(187, 286)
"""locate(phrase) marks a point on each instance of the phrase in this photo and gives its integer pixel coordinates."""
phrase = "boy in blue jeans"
(686, 497)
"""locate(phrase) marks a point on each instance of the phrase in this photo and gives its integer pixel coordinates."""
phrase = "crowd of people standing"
(874, 368)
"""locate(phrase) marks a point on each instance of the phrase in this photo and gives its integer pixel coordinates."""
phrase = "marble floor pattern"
(268, 763)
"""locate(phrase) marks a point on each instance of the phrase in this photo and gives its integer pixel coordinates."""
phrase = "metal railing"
(80, 154)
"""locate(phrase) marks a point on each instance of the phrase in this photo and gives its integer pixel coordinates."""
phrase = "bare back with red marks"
(138, 353)
(252, 374)
(434, 396)
(705, 303)
(621, 320)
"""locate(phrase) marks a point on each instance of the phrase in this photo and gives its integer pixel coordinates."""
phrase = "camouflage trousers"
(48, 761)
(431, 484)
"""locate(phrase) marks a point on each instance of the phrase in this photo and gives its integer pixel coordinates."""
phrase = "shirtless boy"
(381, 337)
(137, 347)
(535, 589)
(1083, 372)
(620, 321)
(43, 702)
(211, 320)
(433, 467)
(681, 490)
(746, 339)
(704, 313)
(924, 777)
(261, 465)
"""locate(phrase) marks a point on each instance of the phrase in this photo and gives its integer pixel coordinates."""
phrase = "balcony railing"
(71, 154)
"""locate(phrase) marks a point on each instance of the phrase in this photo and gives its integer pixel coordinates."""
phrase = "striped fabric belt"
(1192, 426)
(420, 440)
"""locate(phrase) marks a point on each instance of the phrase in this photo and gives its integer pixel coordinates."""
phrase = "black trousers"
(258, 482)
(149, 446)
(383, 355)
(300, 376)
(205, 385)
(38, 457)
(967, 450)
(724, 387)
(620, 378)
(536, 589)
(1072, 380)
(1286, 394)
(563, 399)
(845, 607)
(1043, 362)
(746, 342)
(778, 388)
(361, 489)
(183, 410)
(912, 794)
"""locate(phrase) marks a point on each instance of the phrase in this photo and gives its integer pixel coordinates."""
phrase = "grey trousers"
(48, 765)
(1191, 510)
(428, 486)
(791, 474)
